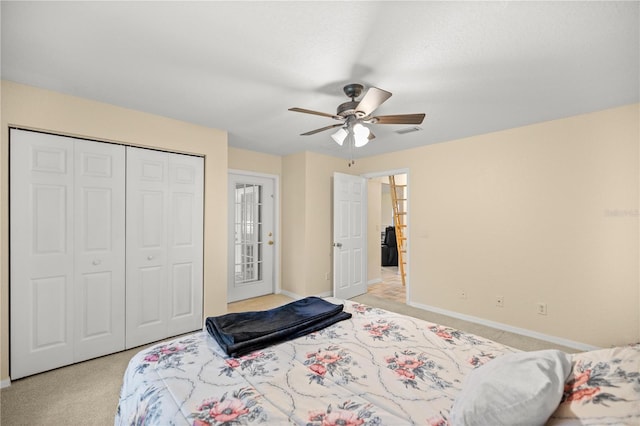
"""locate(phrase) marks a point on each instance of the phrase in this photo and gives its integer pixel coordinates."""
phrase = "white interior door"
(99, 231)
(252, 238)
(349, 236)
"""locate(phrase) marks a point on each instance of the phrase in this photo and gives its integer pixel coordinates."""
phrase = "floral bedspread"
(378, 368)
(603, 388)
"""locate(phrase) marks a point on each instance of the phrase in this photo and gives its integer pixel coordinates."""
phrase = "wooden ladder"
(398, 200)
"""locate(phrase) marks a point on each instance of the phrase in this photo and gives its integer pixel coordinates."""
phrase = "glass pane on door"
(248, 240)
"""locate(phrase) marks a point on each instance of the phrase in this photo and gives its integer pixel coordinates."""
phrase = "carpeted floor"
(87, 393)
(81, 394)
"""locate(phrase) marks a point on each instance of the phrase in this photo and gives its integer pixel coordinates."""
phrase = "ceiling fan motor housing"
(348, 109)
(353, 90)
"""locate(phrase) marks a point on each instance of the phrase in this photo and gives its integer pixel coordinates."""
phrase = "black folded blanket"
(244, 332)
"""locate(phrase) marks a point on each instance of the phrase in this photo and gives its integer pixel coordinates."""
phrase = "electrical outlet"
(462, 294)
(500, 301)
(541, 308)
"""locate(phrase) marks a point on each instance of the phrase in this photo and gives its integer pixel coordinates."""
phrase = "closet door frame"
(67, 339)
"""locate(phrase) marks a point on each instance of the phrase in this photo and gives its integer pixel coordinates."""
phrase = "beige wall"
(293, 216)
(242, 159)
(319, 225)
(33, 108)
(542, 213)
(386, 209)
(374, 209)
(307, 229)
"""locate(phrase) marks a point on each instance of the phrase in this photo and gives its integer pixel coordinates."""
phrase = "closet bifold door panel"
(185, 243)
(106, 248)
(164, 245)
(67, 262)
(99, 228)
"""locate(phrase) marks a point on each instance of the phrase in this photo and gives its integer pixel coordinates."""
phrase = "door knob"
(270, 242)
(97, 262)
(337, 245)
(149, 257)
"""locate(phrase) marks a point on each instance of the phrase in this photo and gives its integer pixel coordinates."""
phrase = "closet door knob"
(97, 262)
(149, 257)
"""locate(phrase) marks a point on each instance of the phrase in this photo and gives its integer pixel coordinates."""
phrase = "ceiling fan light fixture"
(360, 135)
(353, 114)
(340, 135)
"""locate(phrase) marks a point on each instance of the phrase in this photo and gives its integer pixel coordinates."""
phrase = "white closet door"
(147, 214)
(67, 250)
(185, 243)
(42, 246)
(99, 221)
(164, 245)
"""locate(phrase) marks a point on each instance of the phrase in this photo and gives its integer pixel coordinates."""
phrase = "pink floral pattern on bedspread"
(378, 368)
(602, 388)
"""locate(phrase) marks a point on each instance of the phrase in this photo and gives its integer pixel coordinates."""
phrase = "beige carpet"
(81, 394)
(87, 393)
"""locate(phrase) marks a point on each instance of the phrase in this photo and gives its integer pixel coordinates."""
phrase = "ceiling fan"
(354, 114)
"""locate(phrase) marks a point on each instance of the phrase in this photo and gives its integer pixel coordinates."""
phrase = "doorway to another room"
(390, 287)
(392, 224)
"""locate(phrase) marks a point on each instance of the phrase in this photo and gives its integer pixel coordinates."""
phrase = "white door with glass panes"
(252, 239)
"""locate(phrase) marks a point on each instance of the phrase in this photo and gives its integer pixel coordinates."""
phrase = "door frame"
(276, 223)
(402, 171)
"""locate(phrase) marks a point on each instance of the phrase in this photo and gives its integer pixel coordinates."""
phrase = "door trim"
(277, 288)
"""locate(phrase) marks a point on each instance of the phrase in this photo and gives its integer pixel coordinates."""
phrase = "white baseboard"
(493, 324)
(505, 327)
(5, 383)
(374, 281)
(290, 294)
(297, 296)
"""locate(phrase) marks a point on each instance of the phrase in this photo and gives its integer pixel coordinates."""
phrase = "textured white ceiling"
(472, 67)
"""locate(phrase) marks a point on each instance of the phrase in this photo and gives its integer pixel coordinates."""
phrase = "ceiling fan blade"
(372, 100)
(399, 119)
(322, 129)
(308, 111)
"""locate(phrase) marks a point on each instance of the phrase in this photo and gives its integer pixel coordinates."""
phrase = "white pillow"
(522, 388)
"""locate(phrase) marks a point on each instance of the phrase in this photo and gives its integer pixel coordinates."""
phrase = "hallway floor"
(391, 287)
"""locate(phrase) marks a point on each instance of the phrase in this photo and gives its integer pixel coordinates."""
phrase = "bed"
(377, 368)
